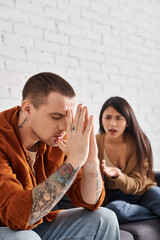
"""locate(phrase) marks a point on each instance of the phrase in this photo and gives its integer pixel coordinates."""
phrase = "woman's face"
(113, 123)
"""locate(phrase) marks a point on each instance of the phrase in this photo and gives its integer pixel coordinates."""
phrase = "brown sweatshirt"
(17, 179)
(132, 181)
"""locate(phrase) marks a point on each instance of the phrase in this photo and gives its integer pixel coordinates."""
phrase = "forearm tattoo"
(46, 195)
(98, 185)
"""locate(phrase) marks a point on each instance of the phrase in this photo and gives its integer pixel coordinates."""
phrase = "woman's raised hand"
(111, 172)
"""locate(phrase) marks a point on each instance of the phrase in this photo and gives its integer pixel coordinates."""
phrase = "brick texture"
(103, 48)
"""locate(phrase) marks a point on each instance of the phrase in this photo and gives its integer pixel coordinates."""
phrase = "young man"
(38, 166)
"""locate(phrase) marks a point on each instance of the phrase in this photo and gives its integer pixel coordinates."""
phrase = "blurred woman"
(126, 163)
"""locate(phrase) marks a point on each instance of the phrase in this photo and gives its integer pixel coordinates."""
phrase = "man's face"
(48, 122)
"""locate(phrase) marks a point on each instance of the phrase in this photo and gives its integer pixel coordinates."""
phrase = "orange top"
(17, 179)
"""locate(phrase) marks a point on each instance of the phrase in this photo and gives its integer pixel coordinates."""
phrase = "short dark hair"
(38, 87)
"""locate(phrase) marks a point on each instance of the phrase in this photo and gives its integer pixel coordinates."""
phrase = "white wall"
(102, 47)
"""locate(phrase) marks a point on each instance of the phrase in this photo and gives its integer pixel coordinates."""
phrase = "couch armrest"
(157, 177)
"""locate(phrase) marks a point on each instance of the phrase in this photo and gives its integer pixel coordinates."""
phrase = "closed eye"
(57, 118)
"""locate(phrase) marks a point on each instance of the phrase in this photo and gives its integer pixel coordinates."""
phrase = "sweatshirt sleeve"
(15, 201)
(74, 194)
(132, 182)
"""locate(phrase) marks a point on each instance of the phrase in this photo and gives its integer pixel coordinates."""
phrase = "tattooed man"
(46, 152)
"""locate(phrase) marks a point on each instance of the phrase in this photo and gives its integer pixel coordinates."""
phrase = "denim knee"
(118, 208)
(151, 198)
(107, 215)
(109, 224)
(115, 205)
(27, 235)
(8, 234)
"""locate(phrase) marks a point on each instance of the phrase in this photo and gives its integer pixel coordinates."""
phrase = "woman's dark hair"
(38, 87)
(142, 142)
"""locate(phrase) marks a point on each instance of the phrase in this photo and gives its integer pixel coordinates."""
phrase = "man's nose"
(62, 125)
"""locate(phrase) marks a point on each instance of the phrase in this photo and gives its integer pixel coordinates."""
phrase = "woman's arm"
(132, 180)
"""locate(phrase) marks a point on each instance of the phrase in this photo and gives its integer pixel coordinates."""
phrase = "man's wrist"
(74, 161)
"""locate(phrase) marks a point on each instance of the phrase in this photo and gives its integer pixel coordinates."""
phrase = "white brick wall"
(102, 47)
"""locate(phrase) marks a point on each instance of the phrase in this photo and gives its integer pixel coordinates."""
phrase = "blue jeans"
(130, 208)
(71, 224)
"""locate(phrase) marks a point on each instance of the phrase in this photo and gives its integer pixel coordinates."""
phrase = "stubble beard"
(50, 142)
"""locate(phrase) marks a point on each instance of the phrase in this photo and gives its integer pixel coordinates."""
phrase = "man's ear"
(26, 107)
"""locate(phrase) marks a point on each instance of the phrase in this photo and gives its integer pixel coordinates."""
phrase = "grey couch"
(140, 230)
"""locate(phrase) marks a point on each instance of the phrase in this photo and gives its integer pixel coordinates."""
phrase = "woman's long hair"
(142, 142)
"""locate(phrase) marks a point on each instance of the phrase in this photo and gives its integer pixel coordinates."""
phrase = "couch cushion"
(143, 230)
(125, 235)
